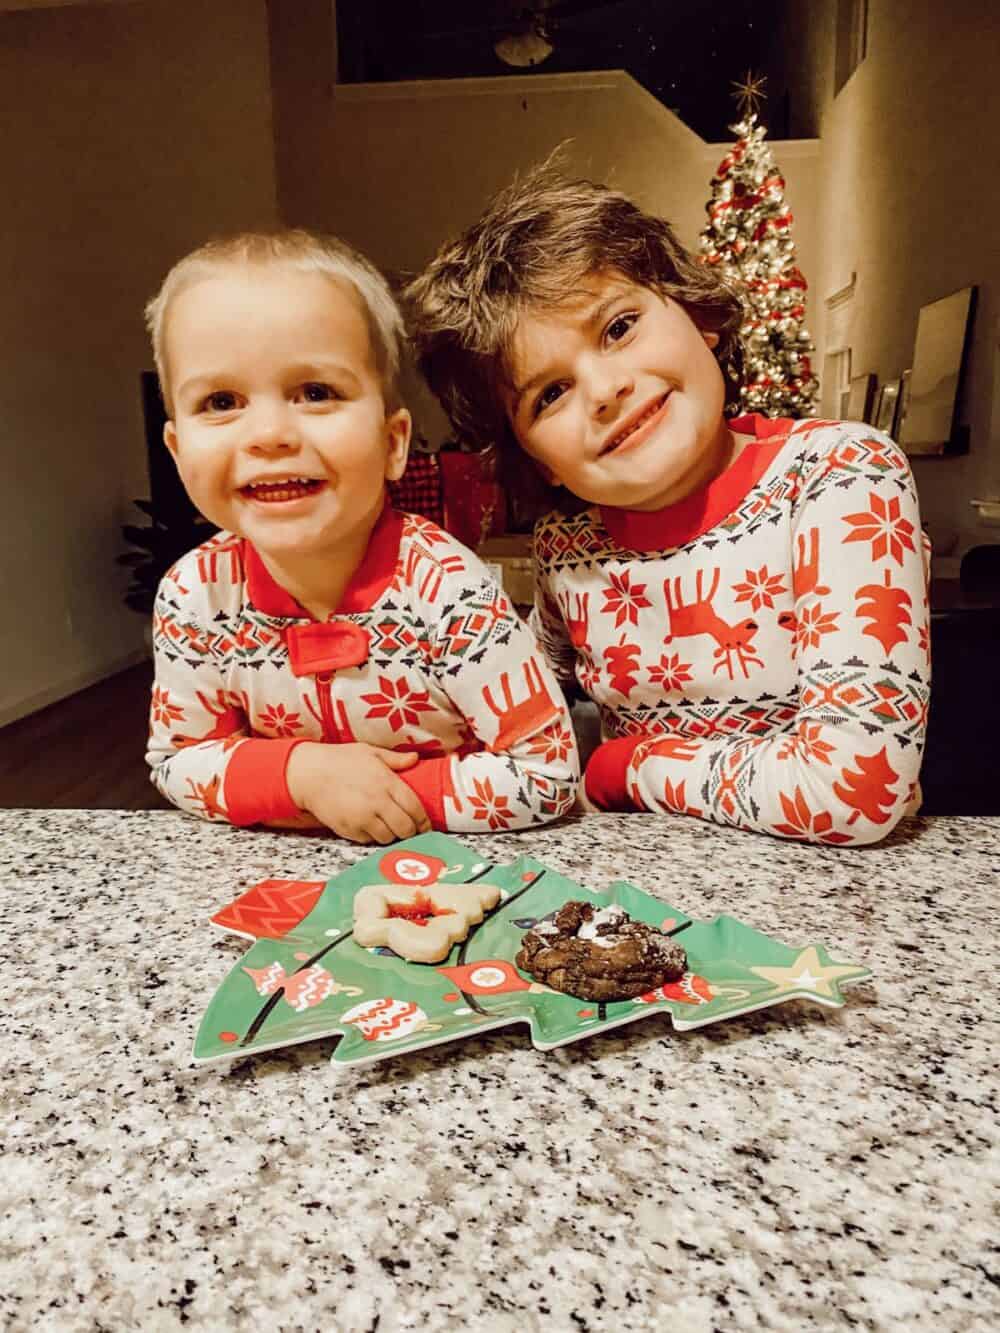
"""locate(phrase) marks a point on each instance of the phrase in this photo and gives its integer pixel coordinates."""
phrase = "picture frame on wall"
(885, 410)
(940, 356)
(861, 398)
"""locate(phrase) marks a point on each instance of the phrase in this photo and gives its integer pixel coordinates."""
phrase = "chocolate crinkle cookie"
(600, 953)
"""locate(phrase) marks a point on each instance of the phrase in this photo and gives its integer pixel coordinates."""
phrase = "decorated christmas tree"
(749, 236)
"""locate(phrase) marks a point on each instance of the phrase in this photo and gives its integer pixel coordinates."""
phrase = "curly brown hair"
(534, 244)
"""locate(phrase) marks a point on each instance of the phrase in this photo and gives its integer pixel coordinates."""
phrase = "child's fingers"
(411, 805)
(400, 821)
(380, 831)
(397, 759)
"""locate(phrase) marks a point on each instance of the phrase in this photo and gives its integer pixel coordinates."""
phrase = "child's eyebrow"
(318, 369)
(589, 317)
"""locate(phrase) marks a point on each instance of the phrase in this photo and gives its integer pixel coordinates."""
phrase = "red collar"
(677, 524)
(368, 582)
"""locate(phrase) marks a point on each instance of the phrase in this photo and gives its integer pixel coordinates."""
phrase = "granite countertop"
(795, 1168)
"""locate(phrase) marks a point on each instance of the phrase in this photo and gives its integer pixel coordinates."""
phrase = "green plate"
(305, 977)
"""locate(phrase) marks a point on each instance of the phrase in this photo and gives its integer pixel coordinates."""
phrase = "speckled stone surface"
(798, 1168)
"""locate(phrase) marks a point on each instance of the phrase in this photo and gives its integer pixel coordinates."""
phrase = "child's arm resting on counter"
(205, 761)
(846, 769)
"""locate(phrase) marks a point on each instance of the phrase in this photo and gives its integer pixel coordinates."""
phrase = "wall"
(128, 133)
(910, 200)
(133, 131)
(405, 165)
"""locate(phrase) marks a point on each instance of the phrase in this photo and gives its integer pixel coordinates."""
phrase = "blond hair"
(304, 252)
(532, 247)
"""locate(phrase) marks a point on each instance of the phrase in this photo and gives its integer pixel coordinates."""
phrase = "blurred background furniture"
(961, 770)
(979, 574)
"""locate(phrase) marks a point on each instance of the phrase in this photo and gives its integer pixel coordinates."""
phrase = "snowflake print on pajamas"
(776, 624)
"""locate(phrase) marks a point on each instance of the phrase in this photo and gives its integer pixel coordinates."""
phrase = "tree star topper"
(750, 92)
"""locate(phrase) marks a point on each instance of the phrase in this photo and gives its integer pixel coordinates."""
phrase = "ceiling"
(686, 53)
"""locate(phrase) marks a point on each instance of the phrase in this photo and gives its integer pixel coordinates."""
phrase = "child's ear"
(398, 428)
(170, 437)
(711, 339)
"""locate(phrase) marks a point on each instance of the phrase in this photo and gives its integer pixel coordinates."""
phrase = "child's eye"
(620, 326)
(220, 401)
(314, 392)
(547, 397)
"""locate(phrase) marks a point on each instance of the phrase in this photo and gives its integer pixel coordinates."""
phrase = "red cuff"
(605, 781)
(254, 787)
(431, 780)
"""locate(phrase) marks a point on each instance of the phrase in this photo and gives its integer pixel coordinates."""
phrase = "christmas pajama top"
(424, 653)
(761, 648)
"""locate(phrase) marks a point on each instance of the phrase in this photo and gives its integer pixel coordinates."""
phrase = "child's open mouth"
(637, 428)
(287, 488)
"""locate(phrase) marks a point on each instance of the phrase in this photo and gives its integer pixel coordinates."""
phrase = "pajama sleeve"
(520, 766)
(553, 631)
(846, 767)
(201, 755)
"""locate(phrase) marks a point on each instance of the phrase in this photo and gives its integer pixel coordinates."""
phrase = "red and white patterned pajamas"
(759, 650)
(425, 653)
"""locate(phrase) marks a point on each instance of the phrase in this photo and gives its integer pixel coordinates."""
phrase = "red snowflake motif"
(489, 806)
(671, 674)
(760, 588)
(590, 674)
(806, 744)
(162, 710)
(553, 744)
(397, 702)
(802, 821)
(889, 533)
(812, 624)
(279, 722)
(623, 601)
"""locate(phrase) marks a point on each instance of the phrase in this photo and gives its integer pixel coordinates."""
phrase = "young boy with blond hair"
(743, 598)
(324, 660)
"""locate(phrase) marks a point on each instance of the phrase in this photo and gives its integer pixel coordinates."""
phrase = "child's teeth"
(288, 488)
(632, 429)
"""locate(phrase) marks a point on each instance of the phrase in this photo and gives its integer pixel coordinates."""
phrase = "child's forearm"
(816, 784)
(488, 791)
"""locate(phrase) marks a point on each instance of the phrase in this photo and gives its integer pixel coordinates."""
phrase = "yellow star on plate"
(807, 973)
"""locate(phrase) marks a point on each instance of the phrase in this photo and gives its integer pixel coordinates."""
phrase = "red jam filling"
(420, 911)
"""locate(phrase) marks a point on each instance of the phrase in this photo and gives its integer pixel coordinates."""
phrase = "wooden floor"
(85, 752)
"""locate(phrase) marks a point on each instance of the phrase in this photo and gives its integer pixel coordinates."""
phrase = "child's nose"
(609, 385)
(272, 428)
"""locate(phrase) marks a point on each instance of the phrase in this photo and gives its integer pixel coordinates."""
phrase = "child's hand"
(353, 790)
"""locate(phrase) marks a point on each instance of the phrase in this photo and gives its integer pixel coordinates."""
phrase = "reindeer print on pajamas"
(425, 653)
(764, 642)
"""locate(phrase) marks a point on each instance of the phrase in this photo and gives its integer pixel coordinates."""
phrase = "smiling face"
(618, 397)
(280, 431)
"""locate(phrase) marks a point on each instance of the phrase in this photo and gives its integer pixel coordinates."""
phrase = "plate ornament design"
(305, 977)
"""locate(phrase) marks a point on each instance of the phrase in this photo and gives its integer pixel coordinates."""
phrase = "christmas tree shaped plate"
(305, 976)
